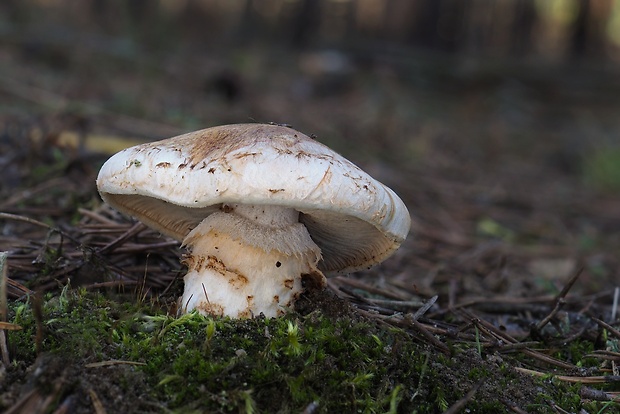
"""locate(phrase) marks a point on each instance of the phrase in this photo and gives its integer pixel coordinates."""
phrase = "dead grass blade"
(112, 362)
(458, 406)
(97, 404)
(559, 300)
(599, 379)
(428, 335)
(613, 331)
(4, 349)
(6, 326)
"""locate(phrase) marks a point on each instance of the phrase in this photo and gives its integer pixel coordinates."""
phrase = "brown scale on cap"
(217, 142)
(237, 280)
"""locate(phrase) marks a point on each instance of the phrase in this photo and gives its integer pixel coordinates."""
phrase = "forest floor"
(503, 298)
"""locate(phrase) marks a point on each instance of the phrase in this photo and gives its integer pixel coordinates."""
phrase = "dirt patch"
(60, 382)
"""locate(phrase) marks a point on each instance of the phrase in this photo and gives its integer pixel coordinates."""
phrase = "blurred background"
(397, 75)
(496, 121)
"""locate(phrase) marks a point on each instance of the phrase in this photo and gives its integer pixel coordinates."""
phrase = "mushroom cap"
(173, 184)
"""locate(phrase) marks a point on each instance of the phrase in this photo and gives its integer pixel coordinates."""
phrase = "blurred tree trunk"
(305, 24)
(588, 37)
(247, 24)
(438, 24)
(522, 27)
(424, 27)
(579, 38)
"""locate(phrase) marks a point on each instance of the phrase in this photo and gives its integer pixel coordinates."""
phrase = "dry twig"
(458, 406)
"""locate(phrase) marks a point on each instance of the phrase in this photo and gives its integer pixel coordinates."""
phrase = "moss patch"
(135, 358)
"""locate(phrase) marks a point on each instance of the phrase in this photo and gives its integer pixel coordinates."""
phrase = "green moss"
(217, 364)
(202, 364)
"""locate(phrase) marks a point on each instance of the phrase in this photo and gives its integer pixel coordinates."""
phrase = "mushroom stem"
(246, 260)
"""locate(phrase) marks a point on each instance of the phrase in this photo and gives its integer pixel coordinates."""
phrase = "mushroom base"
(231, 274)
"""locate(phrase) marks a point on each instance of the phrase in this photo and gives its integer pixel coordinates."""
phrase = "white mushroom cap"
(173, 184)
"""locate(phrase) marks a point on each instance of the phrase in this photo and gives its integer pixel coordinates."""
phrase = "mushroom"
(261, 209)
